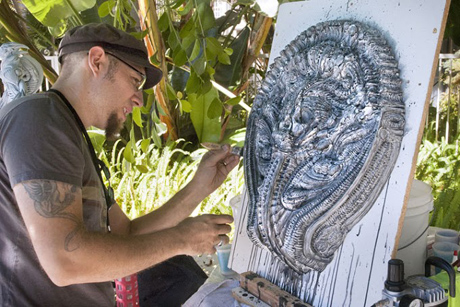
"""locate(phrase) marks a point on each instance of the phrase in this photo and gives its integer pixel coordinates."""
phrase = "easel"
(356, 276)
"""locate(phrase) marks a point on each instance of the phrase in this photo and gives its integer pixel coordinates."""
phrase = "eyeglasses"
(140, 84)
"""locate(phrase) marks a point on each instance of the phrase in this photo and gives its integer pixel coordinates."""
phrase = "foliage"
(146, 168)
(205, 95)
(205, 57)
(55, 13)
(12, 29)
(438, 161)
(452, 30)
(449, 99)
(198, 51)
(139, 190)
(438, 164)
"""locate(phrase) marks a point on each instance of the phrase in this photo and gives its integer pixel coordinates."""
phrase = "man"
(55, 245)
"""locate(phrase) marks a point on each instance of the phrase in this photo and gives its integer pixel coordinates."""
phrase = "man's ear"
(98, 60)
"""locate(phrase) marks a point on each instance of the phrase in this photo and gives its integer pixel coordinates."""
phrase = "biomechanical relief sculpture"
(20, 73)
(322, 139)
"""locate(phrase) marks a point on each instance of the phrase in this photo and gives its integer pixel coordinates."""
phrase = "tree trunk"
(155, 46)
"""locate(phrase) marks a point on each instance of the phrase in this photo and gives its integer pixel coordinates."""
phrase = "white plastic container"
(413, 240)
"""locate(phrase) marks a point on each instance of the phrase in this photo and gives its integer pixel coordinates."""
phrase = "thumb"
(214, 156)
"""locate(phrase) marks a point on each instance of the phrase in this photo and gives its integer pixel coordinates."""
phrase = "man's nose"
(138, 98)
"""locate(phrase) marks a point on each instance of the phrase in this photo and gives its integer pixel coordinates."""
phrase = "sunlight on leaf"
(137, 116)
(142, 168)
(106, 8)
(51, 12)
(234, 101)
(128, 153)
(145, 143)
(224, 58)
(186, 106)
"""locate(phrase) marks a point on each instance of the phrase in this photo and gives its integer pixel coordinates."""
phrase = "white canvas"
(356, 276)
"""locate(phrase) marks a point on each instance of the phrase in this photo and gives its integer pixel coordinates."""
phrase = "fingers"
(230, 162)
(217, 155)
(208, 232)
(219, 219)
(221, 154)
(220, 223)
(223, 229)
(223, 240)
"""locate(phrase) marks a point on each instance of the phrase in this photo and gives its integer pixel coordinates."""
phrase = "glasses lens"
(142, 83)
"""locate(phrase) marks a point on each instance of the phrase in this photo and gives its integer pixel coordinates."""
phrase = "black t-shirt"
(39, 139)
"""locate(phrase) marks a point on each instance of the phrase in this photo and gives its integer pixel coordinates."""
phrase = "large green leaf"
(179, 57)
(52, 12)
(215, 109)
(228, 75)
(196, 50)
(163, 23)
(179, 78)
(207, 129)
(106, 8)
(205, 17)
(188, 28)
(193, 83)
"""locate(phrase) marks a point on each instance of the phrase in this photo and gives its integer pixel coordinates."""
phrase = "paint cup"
(445, 250)
(446, 235)
(223, 253)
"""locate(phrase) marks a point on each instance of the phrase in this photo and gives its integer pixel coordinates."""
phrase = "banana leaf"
(52, 12)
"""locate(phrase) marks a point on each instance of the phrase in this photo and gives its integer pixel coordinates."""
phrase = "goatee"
(113, 128)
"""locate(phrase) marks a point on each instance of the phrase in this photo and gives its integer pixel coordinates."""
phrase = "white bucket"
(413, 240)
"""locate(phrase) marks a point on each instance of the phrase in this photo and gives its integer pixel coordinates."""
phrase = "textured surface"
(20, 73)
(358, 270)
(323, 136)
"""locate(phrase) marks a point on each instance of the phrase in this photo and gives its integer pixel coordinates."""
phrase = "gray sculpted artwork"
(322, 139)
(20, 73)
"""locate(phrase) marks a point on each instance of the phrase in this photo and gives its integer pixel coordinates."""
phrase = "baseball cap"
(114, 41)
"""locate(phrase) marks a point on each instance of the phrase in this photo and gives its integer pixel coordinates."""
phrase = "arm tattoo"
(51, 201)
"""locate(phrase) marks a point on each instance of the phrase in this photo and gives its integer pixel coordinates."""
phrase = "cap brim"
(154, 75)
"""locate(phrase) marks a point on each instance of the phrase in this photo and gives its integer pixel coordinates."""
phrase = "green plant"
(198, 51)
(438, 164)
(438, 161)
(139, 190)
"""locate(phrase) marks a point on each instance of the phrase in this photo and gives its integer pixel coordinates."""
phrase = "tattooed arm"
(69, 254)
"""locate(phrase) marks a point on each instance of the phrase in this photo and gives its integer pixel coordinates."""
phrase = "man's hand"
(202, 233)
(214, 168)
